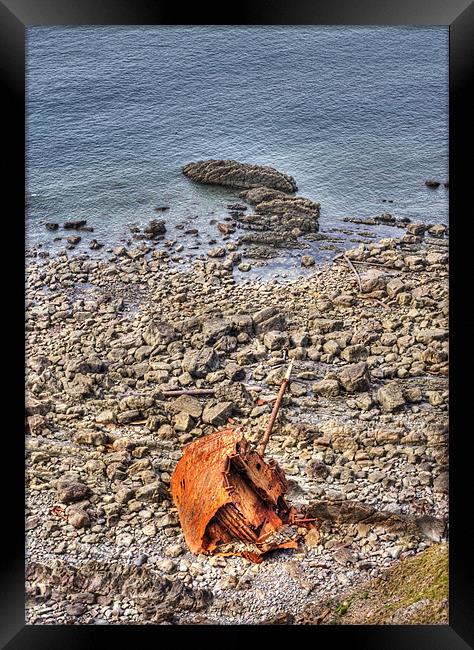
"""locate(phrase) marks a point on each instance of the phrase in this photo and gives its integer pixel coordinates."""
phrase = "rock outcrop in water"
(240, 175)
(278, 219)
(277, 210)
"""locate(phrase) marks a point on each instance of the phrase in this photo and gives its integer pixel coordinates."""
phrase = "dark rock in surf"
(74, 240)
(240, 175)
(155, 229)
(74, 225)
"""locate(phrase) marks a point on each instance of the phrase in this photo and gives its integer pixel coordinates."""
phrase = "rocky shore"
(362, 436)
(256, 229)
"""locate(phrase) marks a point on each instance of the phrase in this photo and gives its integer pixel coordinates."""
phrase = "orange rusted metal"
(274, 413)
(230, 500)
(226, 493)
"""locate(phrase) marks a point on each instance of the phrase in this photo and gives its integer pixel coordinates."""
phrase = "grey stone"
(200, 362)
(159, 331)
(427, 335)
(79, 518)
(276, 340)
(276, 322)
(390, 397)
(307, 260)
(327, 387)
(354, 378)
(186, 404)
(395, 286)
(318, 470)
(155, 229)
(215, 328)
(124, 494)
(155, 491)
(183, 422)
(218, 251)
(95, 438)
(217, 414)
(373, 280)
(355, 353)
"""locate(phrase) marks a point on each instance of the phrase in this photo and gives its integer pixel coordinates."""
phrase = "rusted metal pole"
(191, 391)
(274, 413)
(202, 391)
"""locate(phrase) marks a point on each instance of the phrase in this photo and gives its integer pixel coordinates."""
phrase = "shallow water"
(356, 115)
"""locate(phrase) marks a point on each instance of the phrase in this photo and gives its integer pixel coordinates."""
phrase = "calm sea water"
(356, 115)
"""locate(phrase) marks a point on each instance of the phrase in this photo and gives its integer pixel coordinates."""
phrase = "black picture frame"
(15, 17)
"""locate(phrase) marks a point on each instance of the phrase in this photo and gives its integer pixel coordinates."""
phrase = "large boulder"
(373, 280)
(269, 319)
(354, 378)
(354, 353)
(217, 414)
(276, 340)
(200, 362)
(327, 387)
(235, 392)
(152, 492)
(257, 195)
(70, 490)
(90, 366)
(155, 229)
(186, 404)
(159, 331)
(279, 214)
(296, 205)
(241, 175)
(390, 397)
(214, 328)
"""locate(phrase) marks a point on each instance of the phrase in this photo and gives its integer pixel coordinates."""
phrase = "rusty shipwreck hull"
(230, 500)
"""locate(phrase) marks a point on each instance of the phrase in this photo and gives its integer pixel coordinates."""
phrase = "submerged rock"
(155, 229)
(74, 240)
(279, 214)
(74, 225)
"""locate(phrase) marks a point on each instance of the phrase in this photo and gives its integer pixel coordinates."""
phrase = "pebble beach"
(362, 435)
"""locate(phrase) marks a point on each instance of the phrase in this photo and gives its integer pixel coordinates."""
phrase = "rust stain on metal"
(230, 500)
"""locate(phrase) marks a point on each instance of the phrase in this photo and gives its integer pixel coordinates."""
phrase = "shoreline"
(261, 226)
